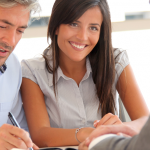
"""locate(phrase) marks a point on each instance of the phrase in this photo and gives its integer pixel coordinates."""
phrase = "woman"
(76, 81)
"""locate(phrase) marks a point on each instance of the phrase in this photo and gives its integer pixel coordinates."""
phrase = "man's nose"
(10, 38)
(82, 34)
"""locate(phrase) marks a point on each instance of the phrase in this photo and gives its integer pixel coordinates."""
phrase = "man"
(14, 17)
(105, 138)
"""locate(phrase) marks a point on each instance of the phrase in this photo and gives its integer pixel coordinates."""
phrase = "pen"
(15, 123)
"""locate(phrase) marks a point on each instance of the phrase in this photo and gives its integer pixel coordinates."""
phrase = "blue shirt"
(10, 98)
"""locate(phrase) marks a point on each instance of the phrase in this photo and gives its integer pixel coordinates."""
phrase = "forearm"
(138, 142)
(137, 124)
(112, 143)
(51, 137)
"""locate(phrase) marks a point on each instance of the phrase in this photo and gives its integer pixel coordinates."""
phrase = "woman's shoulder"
(118, 52)
(120, 55)
(121, 61)
(35, 70)
(34, 63)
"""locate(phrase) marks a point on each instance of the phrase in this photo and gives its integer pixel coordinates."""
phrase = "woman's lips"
(78, 46)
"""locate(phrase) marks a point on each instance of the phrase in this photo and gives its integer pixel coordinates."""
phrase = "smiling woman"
(77, 79)
(76, 40)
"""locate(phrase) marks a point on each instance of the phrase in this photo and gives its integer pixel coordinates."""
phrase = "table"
(63, 148)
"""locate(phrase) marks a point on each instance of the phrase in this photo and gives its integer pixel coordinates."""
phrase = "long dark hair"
(101, 57)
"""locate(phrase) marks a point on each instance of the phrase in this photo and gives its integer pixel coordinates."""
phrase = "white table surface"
(63, 148)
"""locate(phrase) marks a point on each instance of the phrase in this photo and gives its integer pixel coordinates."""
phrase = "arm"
(138, 142)
(132, 98)
(38, 120)
(11, 136)
(101, 131)
(137, 124)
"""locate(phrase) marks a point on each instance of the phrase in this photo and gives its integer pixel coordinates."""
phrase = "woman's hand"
(83, 146)
(108, 119)
(120, 129)
(84, 133)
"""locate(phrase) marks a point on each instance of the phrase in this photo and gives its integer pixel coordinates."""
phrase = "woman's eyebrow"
(95, 24)
(90, 23)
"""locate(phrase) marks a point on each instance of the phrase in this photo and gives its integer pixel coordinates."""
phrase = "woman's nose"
(82, 34)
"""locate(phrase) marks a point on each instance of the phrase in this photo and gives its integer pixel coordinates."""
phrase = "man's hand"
(84, 133)
(83, 146)
(14, 137)
(108, 119)
(110, 129)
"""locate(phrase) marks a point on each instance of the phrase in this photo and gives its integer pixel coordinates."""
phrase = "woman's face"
(77, 40)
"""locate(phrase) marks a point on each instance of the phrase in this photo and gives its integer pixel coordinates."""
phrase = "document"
(53, 148)
(92, 145)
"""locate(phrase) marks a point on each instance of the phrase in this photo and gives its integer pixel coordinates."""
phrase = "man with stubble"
(14, 17)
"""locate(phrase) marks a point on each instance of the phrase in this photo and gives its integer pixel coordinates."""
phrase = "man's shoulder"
(13, 61)
(13, 66)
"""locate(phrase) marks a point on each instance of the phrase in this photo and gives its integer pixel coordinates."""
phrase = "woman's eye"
(74, 24)
(94, 29)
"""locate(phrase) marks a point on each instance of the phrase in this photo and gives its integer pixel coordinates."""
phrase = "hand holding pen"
(23, 141)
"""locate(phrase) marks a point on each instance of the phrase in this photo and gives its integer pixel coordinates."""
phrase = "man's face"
(13, 22)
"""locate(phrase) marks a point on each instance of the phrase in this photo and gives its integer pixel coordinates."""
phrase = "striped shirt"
(76, 106)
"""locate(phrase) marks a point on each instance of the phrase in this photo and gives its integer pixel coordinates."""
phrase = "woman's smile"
(78, 46)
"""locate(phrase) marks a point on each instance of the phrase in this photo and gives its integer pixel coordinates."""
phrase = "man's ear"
(56, 32)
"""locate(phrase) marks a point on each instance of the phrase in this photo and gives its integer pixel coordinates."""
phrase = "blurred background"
(131, 31)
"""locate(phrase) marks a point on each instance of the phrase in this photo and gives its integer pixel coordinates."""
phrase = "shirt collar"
(88, 66)
(3, 68)
(60, 73)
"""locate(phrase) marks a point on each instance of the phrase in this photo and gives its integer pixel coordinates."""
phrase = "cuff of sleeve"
(99, 139)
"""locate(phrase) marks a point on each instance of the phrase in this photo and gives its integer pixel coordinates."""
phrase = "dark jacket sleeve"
(138, 142)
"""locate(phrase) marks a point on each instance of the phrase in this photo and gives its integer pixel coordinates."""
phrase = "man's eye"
(20, 31)
(94, 29)
(74, 24)
(2, 27)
